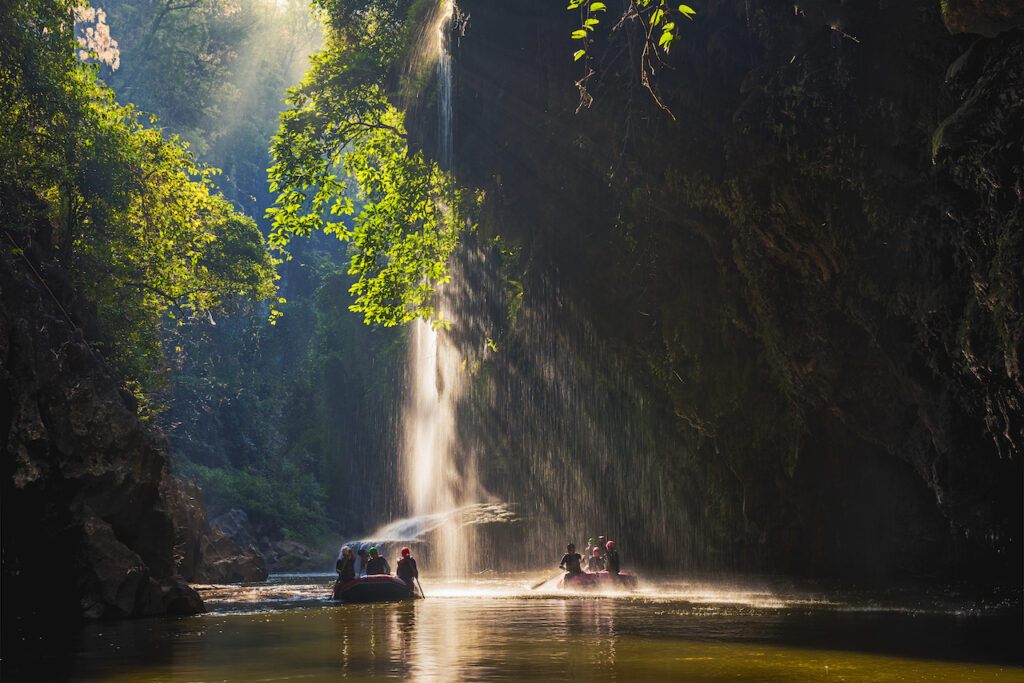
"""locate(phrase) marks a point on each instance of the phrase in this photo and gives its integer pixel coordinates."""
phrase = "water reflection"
(497, 629)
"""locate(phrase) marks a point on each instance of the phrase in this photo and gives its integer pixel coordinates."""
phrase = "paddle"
(421, 587)
(543, 581)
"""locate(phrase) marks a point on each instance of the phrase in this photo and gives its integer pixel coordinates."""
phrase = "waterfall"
(445, 153)
(438, 483)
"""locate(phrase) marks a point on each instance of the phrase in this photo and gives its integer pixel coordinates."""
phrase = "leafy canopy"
(401, 215)
(129, 214)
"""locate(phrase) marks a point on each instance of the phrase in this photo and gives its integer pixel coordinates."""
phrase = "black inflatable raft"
(588, 580)
(377, 588)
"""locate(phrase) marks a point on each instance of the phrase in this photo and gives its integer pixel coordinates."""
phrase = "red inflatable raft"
(588, 580)
(376, 588)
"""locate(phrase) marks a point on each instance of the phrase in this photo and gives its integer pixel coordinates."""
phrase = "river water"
(497, 628)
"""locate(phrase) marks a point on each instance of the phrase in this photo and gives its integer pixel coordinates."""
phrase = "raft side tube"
(375, 588)
(588, 580)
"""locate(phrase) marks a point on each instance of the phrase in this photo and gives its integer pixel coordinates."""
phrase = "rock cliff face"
(94, 524)
(816, 267)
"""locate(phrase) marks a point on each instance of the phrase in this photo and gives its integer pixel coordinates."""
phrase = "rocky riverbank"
(94, 524)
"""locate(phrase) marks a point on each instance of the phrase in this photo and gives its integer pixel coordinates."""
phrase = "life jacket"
(406, 569)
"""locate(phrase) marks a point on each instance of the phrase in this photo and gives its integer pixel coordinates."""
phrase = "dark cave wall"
(816, 267)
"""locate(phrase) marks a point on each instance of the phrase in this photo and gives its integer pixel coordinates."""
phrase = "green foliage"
(658, 22)
(284, 501)
(129, 214)
(204, 69)
(341, 120)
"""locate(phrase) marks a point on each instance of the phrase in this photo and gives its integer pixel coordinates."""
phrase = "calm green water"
(498, 629)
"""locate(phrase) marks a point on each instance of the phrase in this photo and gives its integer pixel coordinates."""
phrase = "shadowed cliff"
(813, 274)
(94, 525)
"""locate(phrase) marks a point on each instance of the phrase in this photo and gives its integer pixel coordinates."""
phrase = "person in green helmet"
(377, 564)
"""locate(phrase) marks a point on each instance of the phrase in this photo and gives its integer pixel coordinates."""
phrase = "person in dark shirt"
(611, 559)
(345, 566)
(377, 564)
(406, 569)
(595, 563)
(571, 562)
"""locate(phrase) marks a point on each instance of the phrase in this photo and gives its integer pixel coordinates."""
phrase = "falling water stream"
(441, 485)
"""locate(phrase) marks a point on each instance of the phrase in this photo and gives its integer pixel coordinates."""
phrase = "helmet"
(591, 541)
(405, 552)
(610, 545)
(373, 550)
(597, 552)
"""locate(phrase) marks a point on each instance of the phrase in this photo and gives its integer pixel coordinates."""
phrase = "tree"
(341, 121)
(128, 214)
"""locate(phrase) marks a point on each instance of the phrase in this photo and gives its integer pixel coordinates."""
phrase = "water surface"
(496, 628)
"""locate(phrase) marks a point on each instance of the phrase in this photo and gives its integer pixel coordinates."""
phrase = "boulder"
(208, 555)
(235, 523)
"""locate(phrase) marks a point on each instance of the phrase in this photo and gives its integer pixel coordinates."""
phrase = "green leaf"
(576, 56)
(579, 33)
(597, 7)
(656, 17)
(687, 10)
(666, 39)
(590, 23)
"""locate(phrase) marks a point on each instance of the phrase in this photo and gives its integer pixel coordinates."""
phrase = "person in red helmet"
(595, 563)
(406, 569)
(611, 559)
